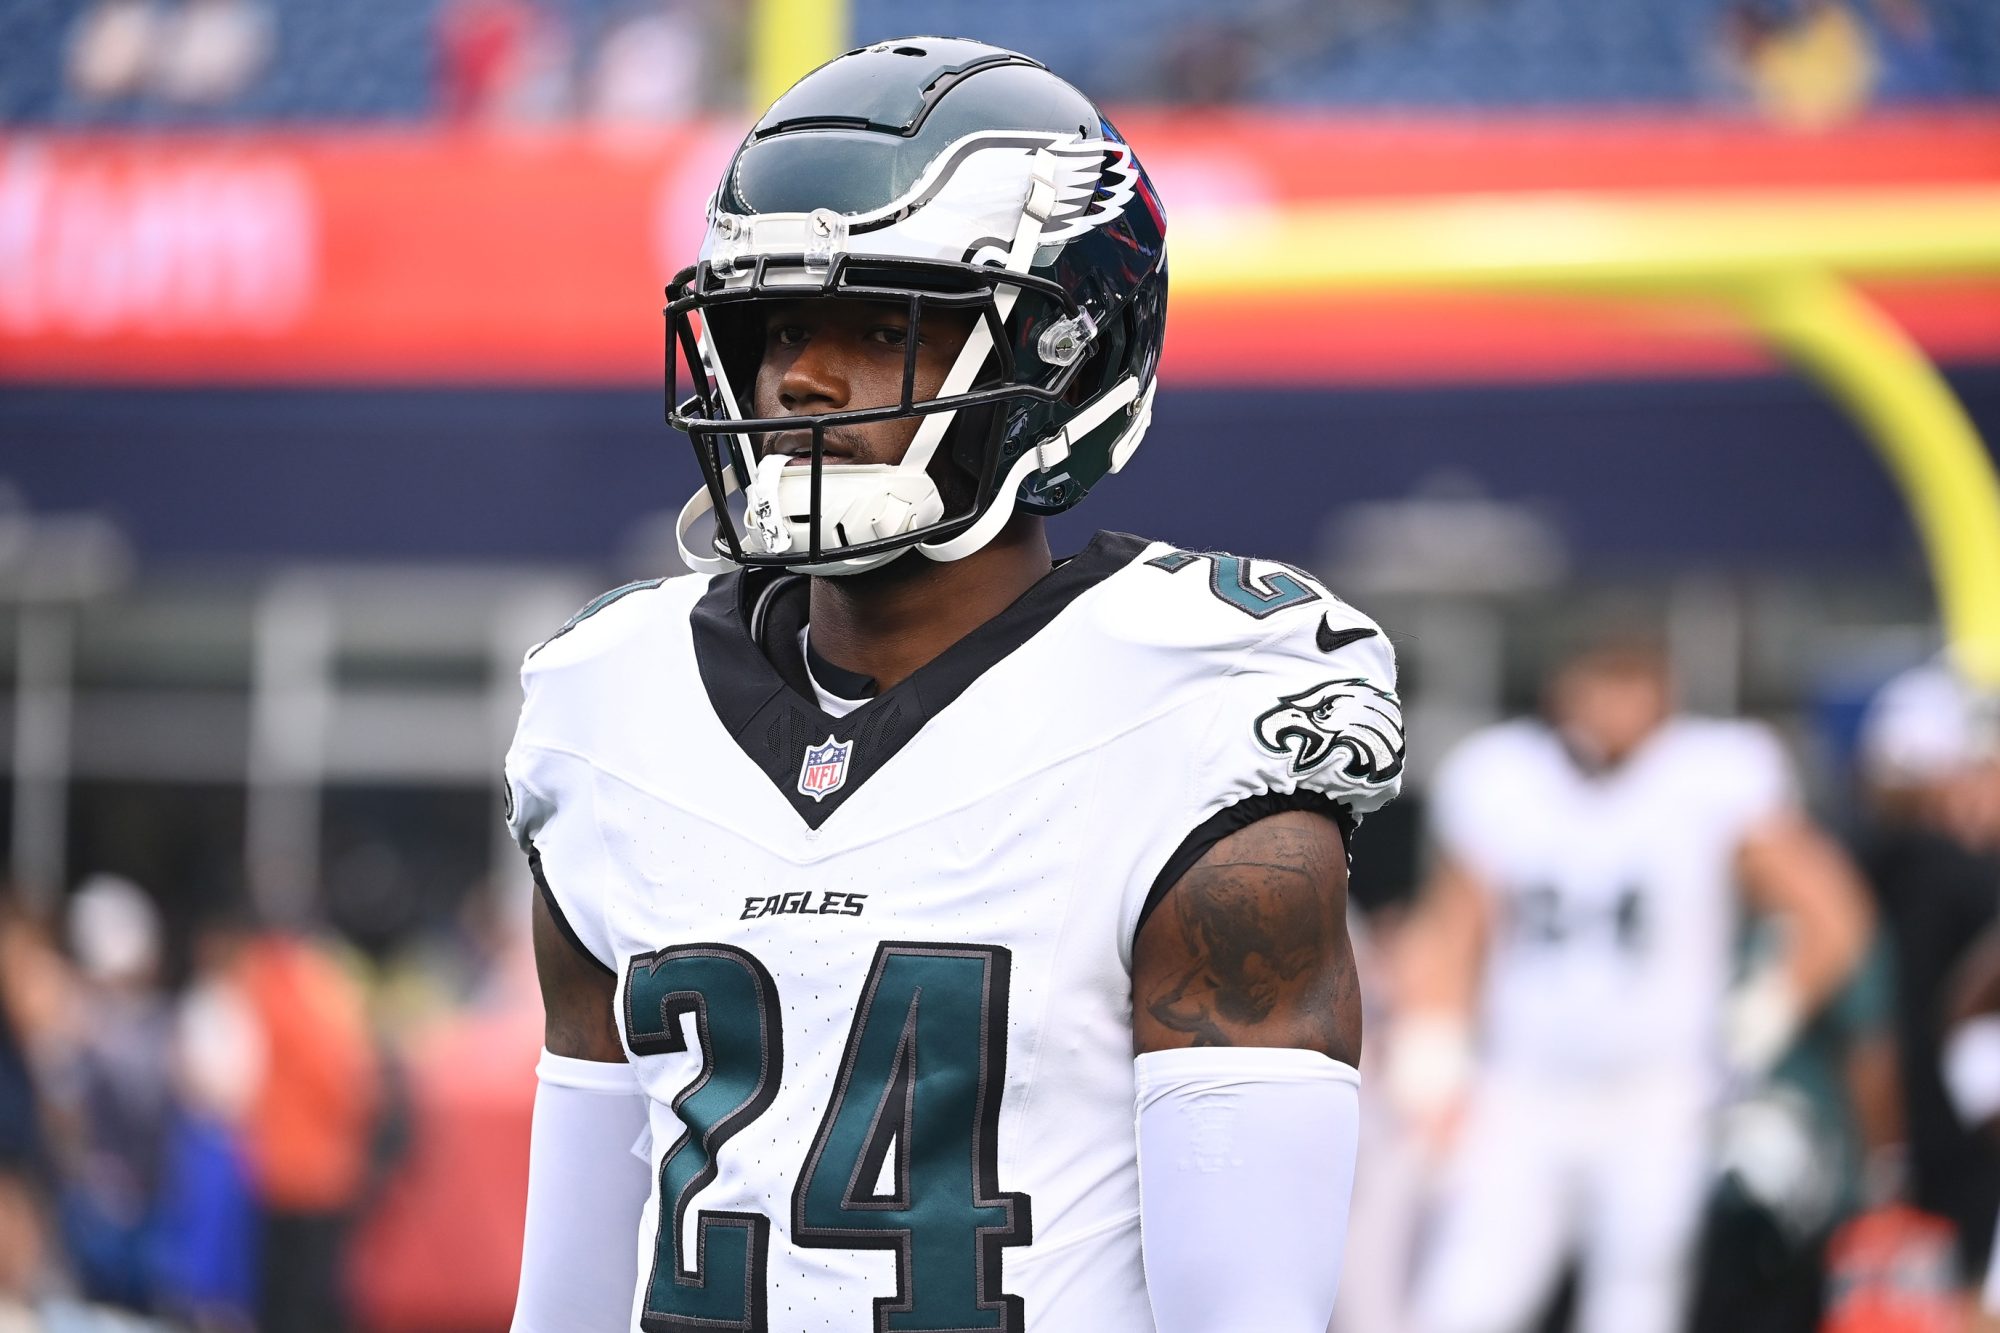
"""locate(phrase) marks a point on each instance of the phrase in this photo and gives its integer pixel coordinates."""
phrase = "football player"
(928, 928)
(1582, 911)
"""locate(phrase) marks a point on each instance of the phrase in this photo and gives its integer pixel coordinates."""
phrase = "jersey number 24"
(903, 1160)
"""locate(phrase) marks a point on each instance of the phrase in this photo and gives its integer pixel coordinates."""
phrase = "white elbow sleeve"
(587, 1193)
(1246, 1162)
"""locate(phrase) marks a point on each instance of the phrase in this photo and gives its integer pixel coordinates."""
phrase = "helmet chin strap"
(1049, 453)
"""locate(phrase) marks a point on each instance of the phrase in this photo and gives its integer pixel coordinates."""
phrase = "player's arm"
(1791, 869)
(1251, 948)
(1247, 1025)
(1442, 946)
(1439, 956)
(586, 1188)
(578, 995)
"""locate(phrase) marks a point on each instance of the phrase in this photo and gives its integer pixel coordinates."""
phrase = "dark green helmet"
(936, 174)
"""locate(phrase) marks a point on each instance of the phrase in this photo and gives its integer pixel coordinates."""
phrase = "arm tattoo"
(1260, 946)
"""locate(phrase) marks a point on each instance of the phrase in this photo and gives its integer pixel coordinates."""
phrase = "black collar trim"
(767, 703)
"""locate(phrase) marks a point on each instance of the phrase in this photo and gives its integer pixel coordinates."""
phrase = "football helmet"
(937, 175)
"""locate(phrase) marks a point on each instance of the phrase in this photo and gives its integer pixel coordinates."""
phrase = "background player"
(1566, 981)
(891, 775)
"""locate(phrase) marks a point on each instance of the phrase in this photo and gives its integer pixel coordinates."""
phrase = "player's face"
(825, 356)
(1606, 707)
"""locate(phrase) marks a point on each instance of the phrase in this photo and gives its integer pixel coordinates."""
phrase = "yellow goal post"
(1783, 261)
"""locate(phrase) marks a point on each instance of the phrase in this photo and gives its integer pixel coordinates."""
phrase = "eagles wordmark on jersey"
(873, 969)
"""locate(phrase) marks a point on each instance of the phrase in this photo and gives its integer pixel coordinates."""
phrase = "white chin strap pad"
(858, 502)
(883, 501)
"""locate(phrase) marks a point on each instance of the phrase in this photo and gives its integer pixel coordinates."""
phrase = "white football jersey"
(874, 970)
(1614, 893)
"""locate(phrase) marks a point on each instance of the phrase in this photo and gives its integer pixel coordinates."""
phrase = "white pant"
(1612, 1171)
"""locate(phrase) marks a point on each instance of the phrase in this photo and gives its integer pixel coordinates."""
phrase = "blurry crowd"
(494, 61)
(1796, 62)
(193, 53)
(197, 1154)
(1816, 62)
(648, 63)
(633, 62)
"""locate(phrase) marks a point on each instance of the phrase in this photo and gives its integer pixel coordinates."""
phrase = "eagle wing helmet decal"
(980, 180)
(1337, 715)
(1094, 182)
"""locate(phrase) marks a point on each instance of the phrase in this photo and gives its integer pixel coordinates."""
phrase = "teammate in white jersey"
(934, 936)
(1574, 945)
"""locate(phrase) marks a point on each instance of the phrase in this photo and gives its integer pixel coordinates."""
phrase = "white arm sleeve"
(587, 1194)
(1972, 1070)
(1246, 1161)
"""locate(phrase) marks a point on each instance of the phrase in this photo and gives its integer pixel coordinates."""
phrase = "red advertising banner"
(442, 256)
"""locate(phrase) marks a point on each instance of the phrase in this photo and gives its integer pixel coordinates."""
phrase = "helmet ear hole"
(1090, 376)
(1107, 354)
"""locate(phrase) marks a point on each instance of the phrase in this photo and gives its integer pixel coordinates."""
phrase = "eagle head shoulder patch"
(1349, 717)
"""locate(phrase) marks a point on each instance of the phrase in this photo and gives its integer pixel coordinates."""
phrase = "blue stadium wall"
(1752, 472)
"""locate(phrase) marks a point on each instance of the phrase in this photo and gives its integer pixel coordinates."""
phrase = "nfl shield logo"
(825, 769)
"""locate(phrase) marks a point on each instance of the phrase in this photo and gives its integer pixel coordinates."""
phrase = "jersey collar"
(764, 699)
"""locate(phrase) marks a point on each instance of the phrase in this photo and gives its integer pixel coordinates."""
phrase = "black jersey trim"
(1230, 819)
(557, 915)
(761, 694)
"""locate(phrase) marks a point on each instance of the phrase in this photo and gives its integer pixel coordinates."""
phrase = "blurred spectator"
(651, 66)
(23, 1243)
(309, 1123)
(1933, 857)
(1817, 62)
(111, 49)
(207, 1251)
(112, 1090)
(503, 60)
(192, 53)
(1568, 1026)
(210, 51)
(1801, 62)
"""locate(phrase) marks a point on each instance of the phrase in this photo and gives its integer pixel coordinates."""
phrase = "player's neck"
(888, 622)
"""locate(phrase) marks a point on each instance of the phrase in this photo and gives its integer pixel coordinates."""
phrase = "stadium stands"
(379, 60)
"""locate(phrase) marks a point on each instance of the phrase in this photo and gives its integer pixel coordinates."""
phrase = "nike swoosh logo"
(1332, 640)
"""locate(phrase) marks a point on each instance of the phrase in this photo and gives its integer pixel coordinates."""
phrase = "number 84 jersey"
(874, 969)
